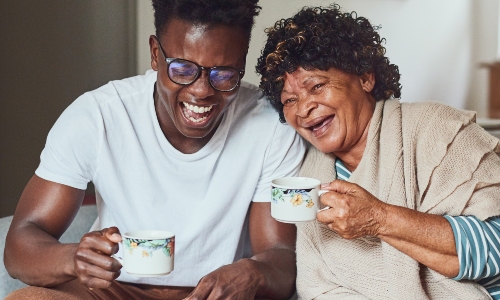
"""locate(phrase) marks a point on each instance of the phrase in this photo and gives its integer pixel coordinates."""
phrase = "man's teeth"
(197, 120)
(197, 109)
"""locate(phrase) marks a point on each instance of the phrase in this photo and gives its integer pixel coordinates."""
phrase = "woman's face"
(331, 109)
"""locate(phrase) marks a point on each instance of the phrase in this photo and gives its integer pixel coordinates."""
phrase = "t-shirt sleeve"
(71, 149)
(283, 158)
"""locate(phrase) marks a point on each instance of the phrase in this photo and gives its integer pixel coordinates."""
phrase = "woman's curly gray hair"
(324, 38)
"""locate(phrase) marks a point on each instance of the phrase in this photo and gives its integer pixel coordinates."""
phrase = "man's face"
(195, 110)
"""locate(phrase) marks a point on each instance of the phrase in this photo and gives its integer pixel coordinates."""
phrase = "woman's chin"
(327, 146)
(321, 146)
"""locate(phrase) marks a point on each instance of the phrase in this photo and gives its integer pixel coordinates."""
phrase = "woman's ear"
(367, 81)
(153, 48)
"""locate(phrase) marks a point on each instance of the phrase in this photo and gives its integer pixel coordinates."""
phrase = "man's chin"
(197, 133)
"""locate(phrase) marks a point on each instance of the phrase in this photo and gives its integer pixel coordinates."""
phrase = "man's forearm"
(36, 258)
(277, 266)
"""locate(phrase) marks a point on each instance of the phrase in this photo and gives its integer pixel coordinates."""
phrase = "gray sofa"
(83, 220)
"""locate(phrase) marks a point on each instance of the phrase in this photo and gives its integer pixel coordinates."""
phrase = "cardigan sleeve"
(314, 278)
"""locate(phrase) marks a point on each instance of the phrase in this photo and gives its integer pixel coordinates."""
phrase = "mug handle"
(321, 192)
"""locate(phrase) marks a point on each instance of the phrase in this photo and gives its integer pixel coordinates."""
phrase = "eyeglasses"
(185, 72)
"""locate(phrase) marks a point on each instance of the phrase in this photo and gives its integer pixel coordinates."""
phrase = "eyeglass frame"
(169, 60)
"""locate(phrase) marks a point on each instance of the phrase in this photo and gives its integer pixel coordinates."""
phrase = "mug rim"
(313, 183)
(148, 234)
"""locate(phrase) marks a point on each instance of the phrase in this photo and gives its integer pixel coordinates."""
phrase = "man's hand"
(239, 280)
(353, 212)
(269, 274)
(94, 266)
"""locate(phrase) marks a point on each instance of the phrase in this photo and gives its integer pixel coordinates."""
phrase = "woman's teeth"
(319, 125)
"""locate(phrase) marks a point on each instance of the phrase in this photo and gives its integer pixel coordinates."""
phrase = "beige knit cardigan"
(423, 156)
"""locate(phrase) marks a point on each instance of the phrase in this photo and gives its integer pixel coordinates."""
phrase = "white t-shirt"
(111, 136)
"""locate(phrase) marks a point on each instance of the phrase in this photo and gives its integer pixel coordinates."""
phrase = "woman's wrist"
(381, 213)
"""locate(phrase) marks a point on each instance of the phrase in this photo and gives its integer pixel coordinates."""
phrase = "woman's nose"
(305, 106)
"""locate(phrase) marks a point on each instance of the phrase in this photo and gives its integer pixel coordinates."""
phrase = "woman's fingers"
(351, 213)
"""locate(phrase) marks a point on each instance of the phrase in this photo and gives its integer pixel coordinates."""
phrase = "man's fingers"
(102, 261)
(99, 243)
(201, 291)
(112, 234)
(97, 283)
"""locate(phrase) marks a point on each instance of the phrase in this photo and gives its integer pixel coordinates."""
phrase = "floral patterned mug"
(148, 253)
(295, 199)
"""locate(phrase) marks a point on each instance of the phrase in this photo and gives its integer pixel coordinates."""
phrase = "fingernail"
(324, 185)
(116, 235)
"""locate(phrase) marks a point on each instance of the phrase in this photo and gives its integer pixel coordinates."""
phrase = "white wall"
(438, 45)
(145, 28)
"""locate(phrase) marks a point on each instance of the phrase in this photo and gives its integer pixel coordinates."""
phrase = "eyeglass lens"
(185, 72)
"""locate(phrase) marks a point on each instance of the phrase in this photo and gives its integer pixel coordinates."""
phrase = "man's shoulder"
(123, 89)
(249, 91)
(251, 105)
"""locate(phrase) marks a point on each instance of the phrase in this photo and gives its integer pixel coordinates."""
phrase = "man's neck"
(179, 141)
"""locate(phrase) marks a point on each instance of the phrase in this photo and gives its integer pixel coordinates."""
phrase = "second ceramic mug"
(148, 253)
(295, 199)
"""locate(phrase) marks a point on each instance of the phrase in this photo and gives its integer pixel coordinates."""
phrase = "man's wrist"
(68, 266)
(257, 273)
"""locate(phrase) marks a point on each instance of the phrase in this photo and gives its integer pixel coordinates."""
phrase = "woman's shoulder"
(430, 112)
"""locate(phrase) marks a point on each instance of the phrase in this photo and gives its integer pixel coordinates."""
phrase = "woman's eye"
(288, 102)
(317, 86)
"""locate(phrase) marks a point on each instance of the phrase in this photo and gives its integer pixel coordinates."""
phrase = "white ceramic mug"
(295, 199)
(148, 253)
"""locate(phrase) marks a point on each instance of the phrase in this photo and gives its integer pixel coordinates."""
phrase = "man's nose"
(201, 87)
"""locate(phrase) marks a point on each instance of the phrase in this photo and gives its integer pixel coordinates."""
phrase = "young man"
(186, 148)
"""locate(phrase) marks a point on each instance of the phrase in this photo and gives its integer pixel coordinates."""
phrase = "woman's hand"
(353, 212)
(94, 266)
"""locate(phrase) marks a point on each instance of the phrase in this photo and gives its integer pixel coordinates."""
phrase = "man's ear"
(367, 81)
(153, 48)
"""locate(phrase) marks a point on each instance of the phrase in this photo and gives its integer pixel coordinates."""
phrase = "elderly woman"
(415, 216)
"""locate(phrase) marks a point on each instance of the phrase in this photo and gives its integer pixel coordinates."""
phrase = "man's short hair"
(207, 12)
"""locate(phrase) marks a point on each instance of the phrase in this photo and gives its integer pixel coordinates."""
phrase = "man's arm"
(273, 245)
(270, 273)
(33, 253)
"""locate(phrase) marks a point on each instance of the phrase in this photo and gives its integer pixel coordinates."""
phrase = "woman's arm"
(354, 213)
